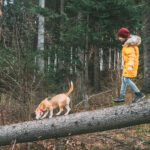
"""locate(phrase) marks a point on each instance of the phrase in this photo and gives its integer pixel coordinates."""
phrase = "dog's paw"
(66, 114)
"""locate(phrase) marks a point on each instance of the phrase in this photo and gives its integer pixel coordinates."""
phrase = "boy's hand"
(129, 68)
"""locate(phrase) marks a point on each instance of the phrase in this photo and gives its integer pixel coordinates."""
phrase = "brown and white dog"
(48, 105)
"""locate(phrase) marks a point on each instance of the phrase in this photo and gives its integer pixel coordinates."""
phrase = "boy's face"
(122, 39)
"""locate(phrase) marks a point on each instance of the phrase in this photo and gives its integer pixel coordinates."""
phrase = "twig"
(114, 139)
(129, 135)
(14, 145)
(93, 96)
(99, 93)
(12, 79)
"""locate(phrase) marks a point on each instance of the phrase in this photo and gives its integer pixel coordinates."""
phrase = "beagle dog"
(49, 104)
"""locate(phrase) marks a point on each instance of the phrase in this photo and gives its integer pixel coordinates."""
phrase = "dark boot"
(138, 97)
(120, 98)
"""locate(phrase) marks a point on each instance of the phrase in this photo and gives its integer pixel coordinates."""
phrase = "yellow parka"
(130, 55)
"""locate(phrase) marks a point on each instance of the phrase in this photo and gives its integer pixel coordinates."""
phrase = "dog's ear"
(42, 105)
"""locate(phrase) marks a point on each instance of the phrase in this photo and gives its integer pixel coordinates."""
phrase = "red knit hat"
(124, 32)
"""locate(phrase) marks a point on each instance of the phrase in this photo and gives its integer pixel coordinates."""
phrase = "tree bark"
(75, 124)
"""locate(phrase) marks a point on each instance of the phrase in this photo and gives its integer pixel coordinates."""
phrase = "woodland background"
(46, 44)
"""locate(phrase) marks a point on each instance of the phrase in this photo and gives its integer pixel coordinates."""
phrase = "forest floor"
(130, 138)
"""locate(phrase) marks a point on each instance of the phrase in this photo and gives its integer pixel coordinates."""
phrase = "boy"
(130, 55)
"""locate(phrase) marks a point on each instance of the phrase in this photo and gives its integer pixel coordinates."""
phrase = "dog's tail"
(71, 89)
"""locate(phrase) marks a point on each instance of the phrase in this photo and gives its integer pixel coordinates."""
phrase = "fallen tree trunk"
(79, 123)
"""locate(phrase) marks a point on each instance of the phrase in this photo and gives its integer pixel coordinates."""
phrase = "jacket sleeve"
(131, 55)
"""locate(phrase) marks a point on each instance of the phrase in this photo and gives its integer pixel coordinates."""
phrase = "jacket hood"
(133, 40)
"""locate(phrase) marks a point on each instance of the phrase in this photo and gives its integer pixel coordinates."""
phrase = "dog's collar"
(40, 109)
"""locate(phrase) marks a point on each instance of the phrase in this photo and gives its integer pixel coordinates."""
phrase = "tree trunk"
(96, 69)
(1, 5)
(87, 57)
(146, 22)
(40, 44)
(79, 123)
(80, 82)
(62, 7)
(106, 60)
(61, 62)
(86, 69)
